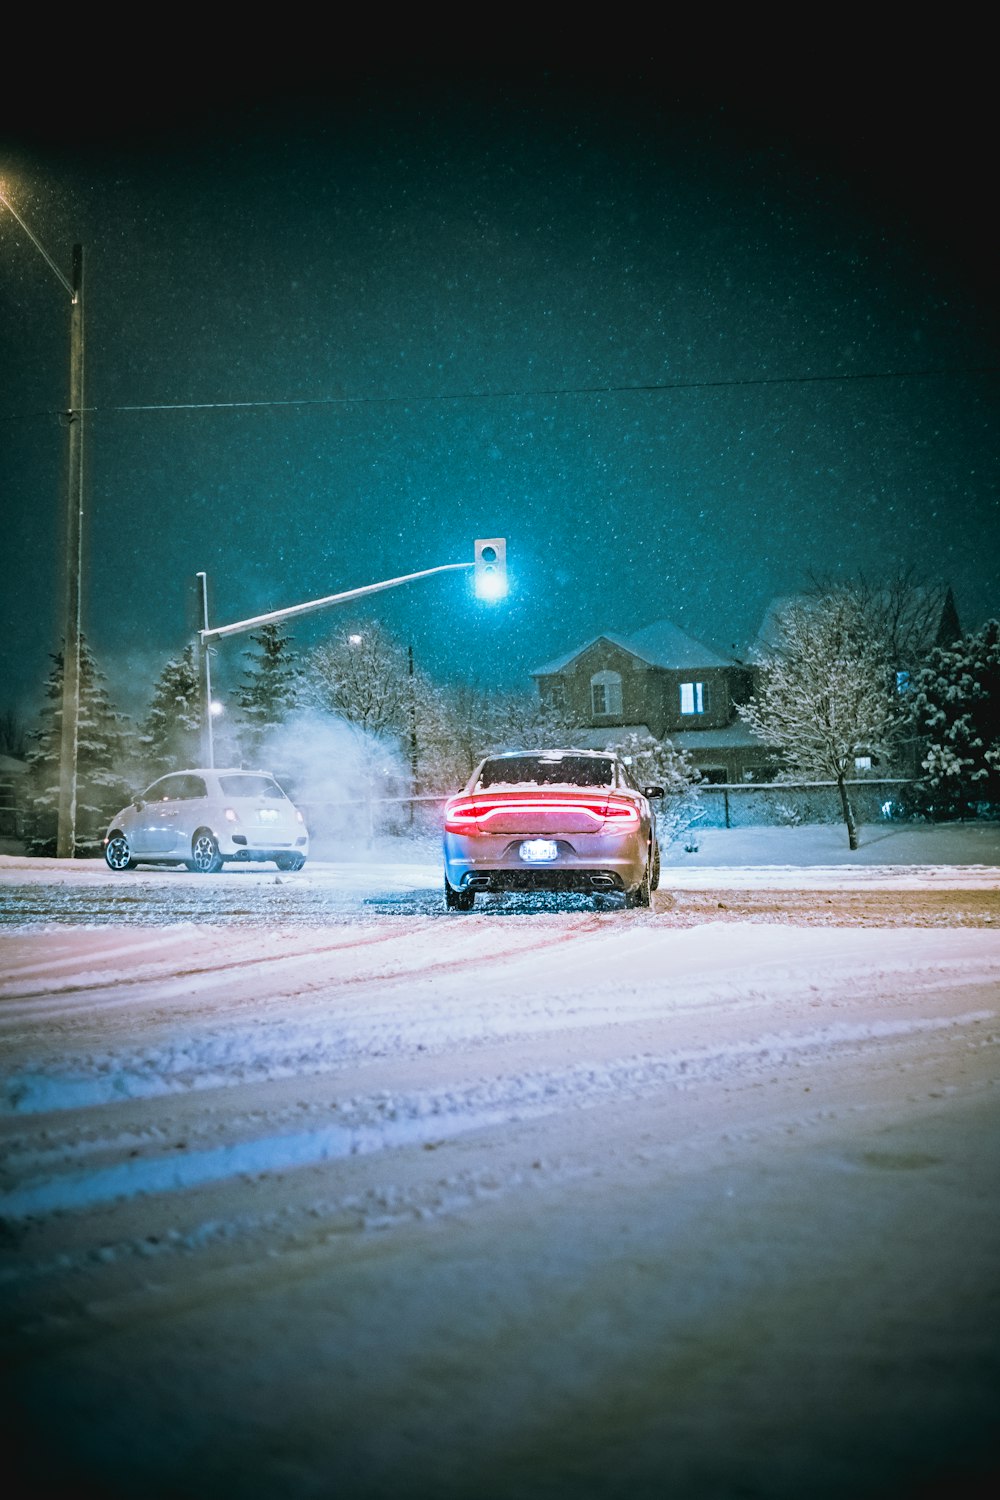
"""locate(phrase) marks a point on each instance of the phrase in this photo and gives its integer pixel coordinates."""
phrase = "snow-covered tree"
(826, 691)
(907, 614)
(956, 708)
(102, 767)
(269, 692)
(474, 722)
(660, 763)
(434, 744)
(360, 674)
(170, 738)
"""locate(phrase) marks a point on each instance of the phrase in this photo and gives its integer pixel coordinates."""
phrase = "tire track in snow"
(84, 985)
(72, 998)
(378, 1124)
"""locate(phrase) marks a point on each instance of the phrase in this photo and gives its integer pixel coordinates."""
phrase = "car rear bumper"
(251, 846)
(543, 880)
(584, 862)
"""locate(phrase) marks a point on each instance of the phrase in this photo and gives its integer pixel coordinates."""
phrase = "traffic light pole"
(204, 671)
(274, 617)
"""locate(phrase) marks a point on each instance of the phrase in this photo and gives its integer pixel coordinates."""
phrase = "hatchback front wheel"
(118, 854)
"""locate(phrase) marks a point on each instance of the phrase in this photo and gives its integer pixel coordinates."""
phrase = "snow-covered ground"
(309, 1188)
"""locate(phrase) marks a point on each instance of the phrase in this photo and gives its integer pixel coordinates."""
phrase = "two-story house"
(663, 682)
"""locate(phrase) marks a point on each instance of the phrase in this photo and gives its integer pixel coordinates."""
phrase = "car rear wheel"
(118, 854)
(654, 879)
(290, 861)
(205, 857)
(640, 894)
(458, 900)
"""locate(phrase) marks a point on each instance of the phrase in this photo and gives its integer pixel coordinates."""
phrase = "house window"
(606, 694)
(902, 682)
(694, 697)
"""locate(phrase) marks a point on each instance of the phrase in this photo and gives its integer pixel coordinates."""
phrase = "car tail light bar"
(474, 814)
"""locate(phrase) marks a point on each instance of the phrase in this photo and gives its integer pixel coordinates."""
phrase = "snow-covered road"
(542, 1201)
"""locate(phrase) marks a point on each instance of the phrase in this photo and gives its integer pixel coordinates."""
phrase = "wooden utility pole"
(66, 827)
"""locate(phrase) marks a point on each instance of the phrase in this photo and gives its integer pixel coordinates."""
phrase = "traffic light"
(491, 567)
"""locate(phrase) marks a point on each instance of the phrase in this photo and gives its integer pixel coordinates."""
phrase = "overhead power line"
(644, 388)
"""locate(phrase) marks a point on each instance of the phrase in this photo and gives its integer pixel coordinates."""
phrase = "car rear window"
(250, 786)
(542, 770)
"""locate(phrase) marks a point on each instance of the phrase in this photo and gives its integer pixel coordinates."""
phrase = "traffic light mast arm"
(275, 615)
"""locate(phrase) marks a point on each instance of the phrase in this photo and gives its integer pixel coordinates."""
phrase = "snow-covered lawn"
(354, 1197)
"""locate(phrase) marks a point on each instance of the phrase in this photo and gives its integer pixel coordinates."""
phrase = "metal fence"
(779, 804)
(732, 805)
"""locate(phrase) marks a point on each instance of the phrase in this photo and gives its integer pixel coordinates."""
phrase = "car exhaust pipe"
(602, 882)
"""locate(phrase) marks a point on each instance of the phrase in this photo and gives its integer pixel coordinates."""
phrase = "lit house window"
(606, 693)
(694, 697)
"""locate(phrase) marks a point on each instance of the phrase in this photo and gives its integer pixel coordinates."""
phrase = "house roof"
(662, 644)
(600, 739)
(927, 614)
(736, 736)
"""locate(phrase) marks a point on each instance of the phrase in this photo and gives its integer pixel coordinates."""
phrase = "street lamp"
(66, 827)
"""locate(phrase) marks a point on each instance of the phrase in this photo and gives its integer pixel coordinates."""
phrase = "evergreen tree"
(13, 734)
(171, 734)
(826, 691)
(270, 689)
(103, 755)
(956, 708)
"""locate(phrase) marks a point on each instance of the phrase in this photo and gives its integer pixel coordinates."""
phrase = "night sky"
(631, 326)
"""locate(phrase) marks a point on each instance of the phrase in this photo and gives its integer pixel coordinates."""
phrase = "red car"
(553, 820)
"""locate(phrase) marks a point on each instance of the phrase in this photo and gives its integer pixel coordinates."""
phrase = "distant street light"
(66, 826)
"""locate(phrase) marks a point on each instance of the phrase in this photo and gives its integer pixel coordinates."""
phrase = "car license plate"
(537, 851)
(268, 815)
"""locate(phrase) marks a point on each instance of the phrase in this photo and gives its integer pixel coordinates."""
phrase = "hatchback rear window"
(250, 786)
(540, 770)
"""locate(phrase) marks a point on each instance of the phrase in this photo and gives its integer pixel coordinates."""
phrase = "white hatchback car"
(203, 818)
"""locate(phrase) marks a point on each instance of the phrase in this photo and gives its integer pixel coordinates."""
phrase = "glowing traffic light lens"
(491, 568)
